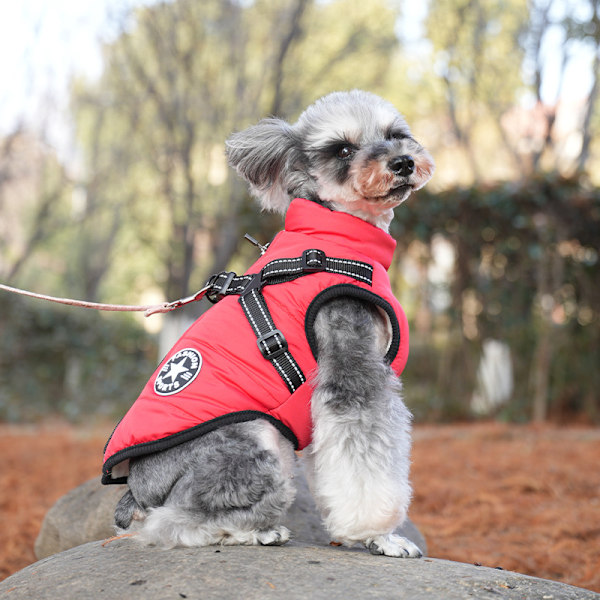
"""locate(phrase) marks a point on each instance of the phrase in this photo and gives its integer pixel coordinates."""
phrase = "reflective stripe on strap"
(270, 340)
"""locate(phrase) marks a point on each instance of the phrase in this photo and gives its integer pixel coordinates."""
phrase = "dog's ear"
(264, 155)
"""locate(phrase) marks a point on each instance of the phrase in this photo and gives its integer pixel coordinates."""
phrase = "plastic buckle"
(214, 295)
(313, 261)
(279, 341)
(256, 283)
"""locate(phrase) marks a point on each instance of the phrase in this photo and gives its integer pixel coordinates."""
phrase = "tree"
(588, 32)
(33, 184)
(578, 30)
(178, 82)
(478, 59)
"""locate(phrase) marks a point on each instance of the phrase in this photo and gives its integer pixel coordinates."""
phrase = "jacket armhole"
(348, 289)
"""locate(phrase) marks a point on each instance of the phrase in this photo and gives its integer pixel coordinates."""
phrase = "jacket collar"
(307, 217)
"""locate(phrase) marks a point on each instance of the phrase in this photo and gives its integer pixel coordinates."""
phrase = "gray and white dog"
(352, 152)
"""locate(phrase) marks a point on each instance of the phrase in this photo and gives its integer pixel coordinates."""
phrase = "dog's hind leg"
(150, 481)
(233, 486)
(359, 456)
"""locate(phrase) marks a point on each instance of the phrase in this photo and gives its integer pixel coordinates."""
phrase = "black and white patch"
(178, 372)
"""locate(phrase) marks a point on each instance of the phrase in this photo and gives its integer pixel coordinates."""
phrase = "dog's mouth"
(395, 195)
(401, 189)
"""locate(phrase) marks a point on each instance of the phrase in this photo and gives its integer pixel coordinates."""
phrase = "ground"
(522, 498)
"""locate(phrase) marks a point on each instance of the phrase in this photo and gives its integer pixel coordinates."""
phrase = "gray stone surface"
(305, 568)
(85, 514)
(121, 569)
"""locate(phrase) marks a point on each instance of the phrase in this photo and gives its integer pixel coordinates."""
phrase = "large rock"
(86, 514)
(304, 568)
(83, 515)
(122, 569)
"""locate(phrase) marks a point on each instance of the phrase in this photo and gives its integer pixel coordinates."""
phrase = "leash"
(147, 309)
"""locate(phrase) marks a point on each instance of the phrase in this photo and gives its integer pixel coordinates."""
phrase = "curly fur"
(353, 152)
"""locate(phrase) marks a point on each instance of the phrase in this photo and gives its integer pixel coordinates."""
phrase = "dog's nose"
(402, 165)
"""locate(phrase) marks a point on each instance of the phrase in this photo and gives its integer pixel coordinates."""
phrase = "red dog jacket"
(219, 372)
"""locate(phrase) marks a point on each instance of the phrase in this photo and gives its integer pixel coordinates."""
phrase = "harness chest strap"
(270, 340)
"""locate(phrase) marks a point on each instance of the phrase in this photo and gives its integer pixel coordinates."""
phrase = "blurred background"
(114, 186)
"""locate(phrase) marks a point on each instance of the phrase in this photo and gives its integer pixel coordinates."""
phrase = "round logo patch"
(178, 372)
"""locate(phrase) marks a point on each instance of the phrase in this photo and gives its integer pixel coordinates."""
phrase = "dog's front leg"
(360, 452)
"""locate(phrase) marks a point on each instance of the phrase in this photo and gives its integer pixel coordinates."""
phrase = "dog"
(350, 155)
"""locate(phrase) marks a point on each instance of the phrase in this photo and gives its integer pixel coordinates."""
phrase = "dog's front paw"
(393, 545)
(274, 537)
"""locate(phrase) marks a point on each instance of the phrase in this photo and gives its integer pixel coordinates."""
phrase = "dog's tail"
(128, 510)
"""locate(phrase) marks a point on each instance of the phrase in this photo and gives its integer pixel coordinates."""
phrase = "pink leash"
(148, 309)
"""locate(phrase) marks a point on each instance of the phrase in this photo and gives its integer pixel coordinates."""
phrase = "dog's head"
(351, 151)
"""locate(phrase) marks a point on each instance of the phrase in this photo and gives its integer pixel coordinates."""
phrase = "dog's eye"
(345, 152)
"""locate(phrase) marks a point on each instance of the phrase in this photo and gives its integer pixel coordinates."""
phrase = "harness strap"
(315, 261)
(270, 340)
(282, 270)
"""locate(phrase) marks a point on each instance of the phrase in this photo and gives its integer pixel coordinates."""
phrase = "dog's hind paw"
(274, 537)
(393, 545)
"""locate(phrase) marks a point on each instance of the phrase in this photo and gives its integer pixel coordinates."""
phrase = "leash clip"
(169, 306)
(256, 243)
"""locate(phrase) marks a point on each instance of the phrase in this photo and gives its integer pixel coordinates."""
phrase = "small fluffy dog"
(350, 152)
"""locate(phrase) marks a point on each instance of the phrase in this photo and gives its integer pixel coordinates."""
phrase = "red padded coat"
(215, 374)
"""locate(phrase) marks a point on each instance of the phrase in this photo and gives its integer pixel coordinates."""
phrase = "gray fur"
(269, 157)
(125, 510)
(351, 374)
(223, 482)
(233, 486)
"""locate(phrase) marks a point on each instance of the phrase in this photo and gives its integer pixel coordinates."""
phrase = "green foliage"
(356, 53)
(78, 364)
(477, 49)
(526, 272)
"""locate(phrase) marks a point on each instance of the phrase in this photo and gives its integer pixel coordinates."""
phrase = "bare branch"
(293, 33)
(593, 95)
(39, 229)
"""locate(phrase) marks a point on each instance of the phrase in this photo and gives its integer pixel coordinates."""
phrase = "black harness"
(270, 340)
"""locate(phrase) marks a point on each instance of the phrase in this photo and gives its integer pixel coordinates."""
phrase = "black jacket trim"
(185, 436)
(348, 289)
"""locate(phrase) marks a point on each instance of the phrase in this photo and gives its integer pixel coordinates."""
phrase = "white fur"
(393, 545)
(358, 122)
(359, 471)
(169, 527)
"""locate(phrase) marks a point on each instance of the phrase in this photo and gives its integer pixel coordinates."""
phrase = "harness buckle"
(257, 282)
(313, 261)
(216, 293)
(272, 344)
